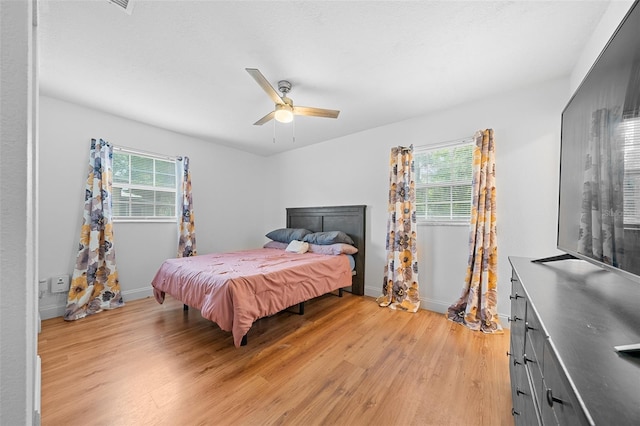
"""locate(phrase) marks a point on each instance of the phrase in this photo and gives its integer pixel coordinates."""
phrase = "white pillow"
(296, 246)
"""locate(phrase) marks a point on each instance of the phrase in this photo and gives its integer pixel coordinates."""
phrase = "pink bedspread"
(235, 289)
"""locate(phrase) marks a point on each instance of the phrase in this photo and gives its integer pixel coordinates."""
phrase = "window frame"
(631, 137)
(424, 149)
(175, 190)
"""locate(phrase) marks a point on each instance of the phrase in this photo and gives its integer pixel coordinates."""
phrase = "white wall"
(354, 170)
(227, 184)
(19, 376)
(601, 34)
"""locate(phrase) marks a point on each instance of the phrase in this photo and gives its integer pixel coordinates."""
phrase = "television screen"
(599, 206)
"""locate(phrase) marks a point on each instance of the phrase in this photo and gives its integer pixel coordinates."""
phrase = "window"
(444, 182)
(144, 186)
(631, 192)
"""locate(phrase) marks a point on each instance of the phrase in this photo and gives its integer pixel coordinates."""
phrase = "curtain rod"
(147, 153)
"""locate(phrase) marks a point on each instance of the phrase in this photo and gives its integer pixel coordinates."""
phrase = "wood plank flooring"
(346, 361)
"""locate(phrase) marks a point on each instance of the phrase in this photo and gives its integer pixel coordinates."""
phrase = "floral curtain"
(477, 306)
(95, 285)
(186, 226)
(400, 285)
(601, 218)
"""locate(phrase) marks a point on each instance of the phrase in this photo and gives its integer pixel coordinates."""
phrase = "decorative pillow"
(276, 245)
(296, 246)
(286, 235)
(326, 238)
(352, 263)
(333, 249)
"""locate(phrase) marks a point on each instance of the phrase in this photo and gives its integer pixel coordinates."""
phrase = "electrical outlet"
(60, 284)
(42, 288)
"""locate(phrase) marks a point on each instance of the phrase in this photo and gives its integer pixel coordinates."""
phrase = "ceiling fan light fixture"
(284, 109)
(284, 113)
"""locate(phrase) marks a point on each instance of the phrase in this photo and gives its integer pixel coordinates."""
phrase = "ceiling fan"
(284, 108)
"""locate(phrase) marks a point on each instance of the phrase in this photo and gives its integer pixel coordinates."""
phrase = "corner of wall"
(601, 34)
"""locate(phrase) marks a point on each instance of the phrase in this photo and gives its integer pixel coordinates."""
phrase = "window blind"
(631, 188)
(144, 186)
(444, 182)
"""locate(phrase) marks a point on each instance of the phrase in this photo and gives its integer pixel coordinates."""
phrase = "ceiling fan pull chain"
(274, 131)
(293, 130)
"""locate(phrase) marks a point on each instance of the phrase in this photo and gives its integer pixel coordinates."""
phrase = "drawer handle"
(513, 280)
(526, 324)
(551, 399)
(519, 392)
(514, 412)
(526, 360)
(515, 360)
(515, 297)
(514, 319)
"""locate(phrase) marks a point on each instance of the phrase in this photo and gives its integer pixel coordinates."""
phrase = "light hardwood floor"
(346, 361)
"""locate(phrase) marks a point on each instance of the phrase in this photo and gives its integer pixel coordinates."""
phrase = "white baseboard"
(53, 311)
(428, 304)
(433, 305)
(438, 306)
(137, 293)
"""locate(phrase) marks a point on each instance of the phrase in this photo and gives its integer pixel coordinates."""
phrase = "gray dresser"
(566, 318)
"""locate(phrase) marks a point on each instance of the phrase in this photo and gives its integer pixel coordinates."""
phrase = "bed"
(237, 288)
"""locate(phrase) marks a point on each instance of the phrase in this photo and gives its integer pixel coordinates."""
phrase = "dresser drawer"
(535, 334)
(533, 362)
(559, 404)
(518, 315)
(518, 298)
(525, 410)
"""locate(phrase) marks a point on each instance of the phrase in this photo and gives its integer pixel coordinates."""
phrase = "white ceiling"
(181, 64)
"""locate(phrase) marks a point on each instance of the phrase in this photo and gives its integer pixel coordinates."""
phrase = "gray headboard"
(348, 219)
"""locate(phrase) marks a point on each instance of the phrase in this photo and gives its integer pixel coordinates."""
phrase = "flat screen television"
(599, 205)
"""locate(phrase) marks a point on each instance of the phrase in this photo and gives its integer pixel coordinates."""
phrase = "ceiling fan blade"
(315, 112)
(265, 119)
(262, 81)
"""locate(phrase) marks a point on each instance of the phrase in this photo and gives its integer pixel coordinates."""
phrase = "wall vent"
(125, 5)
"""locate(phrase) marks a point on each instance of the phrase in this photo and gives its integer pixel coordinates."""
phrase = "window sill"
(145, 220)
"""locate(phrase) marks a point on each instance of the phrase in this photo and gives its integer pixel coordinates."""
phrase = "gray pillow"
(286, 235)
(329, 237)
(275, 245)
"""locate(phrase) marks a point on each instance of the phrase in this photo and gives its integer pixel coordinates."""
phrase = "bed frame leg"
(340, 292)
(185, 307)
(301, 308)
(244, 341)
